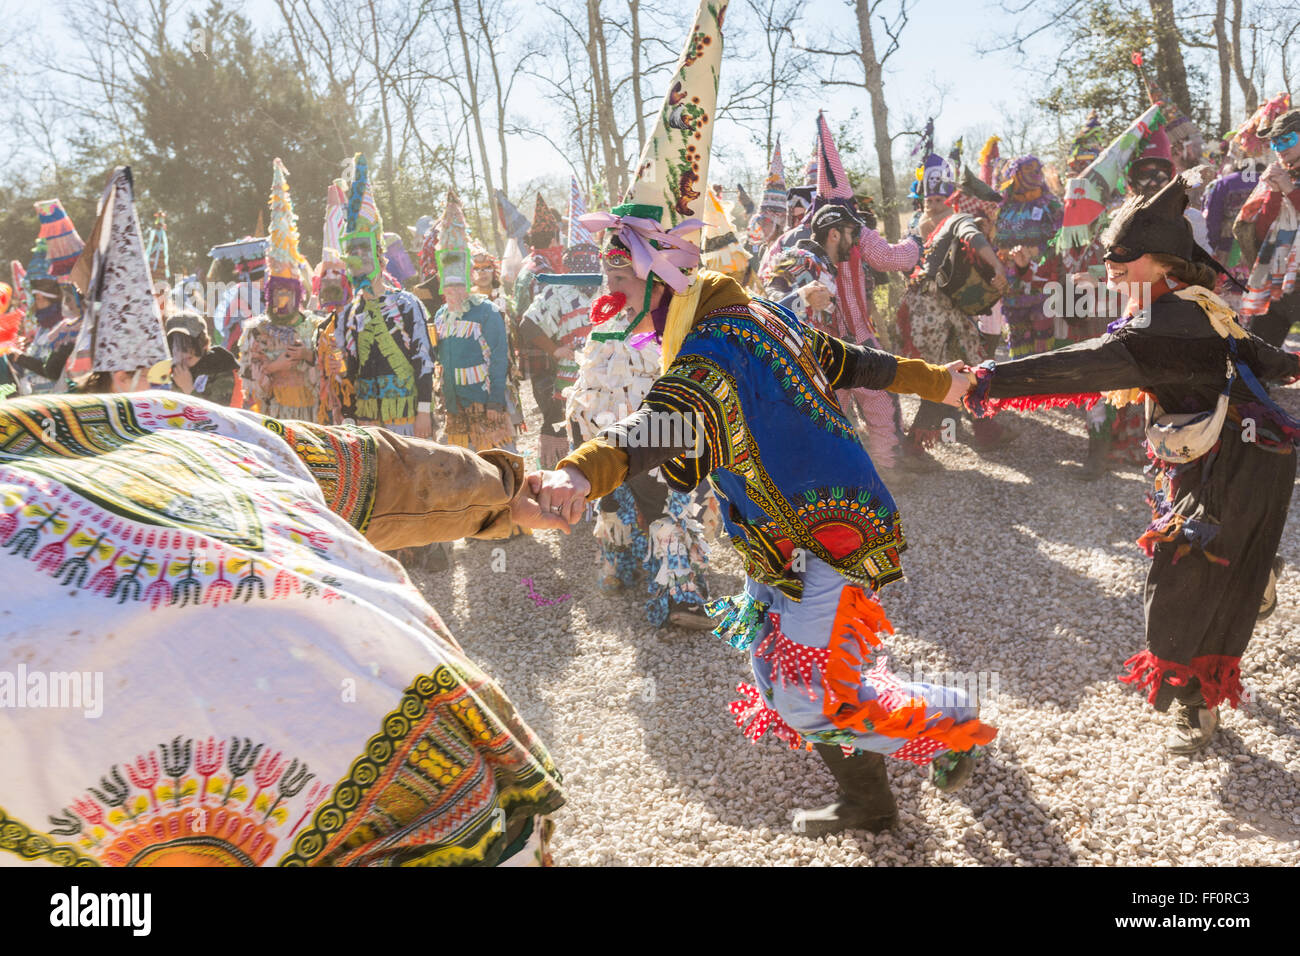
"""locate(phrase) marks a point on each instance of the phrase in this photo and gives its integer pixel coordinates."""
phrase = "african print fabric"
(785, 463)
(206, 664)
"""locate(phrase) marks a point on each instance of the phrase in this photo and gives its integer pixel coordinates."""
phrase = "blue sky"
(937, 65)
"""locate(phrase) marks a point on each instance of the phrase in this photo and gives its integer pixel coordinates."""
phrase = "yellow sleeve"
(604, 465)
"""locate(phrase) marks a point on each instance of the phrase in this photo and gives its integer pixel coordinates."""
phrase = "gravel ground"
(1014, 570)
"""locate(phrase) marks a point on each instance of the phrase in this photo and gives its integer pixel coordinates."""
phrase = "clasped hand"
(552, 499)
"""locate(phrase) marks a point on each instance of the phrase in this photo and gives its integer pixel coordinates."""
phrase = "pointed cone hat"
(722, 250)
(453, 244)
(988, 159)
(335, 222)
(124, 330)
(674, 165)
(514, 222)
(658, 225)
(1087, 144)
(578, 233)
(62, 244)
(774, 191)
(832, 182)
(545, 230)
(362, 213)
(668, 185)
(283, 259)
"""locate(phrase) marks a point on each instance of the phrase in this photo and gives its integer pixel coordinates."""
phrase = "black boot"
(865, 800)
(1095, 466)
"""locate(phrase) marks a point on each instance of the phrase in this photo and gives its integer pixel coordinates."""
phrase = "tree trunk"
(597, 54)
(1247, 87)
(501, 125)
(1225, 64)
(478, 121)
(638, 99)
(875, 84)
(1170, 69)
(390, 168)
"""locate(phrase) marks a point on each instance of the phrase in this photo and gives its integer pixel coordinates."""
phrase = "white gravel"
(1013, 569)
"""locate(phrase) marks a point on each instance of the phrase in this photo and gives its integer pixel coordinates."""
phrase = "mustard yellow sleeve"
(917, 377)
(604, 465)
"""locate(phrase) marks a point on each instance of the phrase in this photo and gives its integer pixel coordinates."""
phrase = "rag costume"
(52, 334)
(645, 526)
(769, 222)
(384, 336)
(1029, 216)
(950, 286)
(557, 321)
(317, 711)
(282, 389)
(788, 470)
(1212, 546)
(1267, 228)
(332, 292)
(1115, 428)
(537, 364)
(471, 347)
(491, 290)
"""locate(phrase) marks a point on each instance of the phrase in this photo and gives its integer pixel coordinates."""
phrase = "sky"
(938, 70)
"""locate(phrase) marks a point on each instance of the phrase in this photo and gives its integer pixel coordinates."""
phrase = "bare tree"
(779, 72)
(1243, 78)
(1224, 50)
(872, 65)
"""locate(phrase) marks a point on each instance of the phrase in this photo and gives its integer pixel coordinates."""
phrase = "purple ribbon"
(667, 262)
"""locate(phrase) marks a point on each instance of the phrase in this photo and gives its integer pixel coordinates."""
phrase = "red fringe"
(1220, 676)
(1029, 403)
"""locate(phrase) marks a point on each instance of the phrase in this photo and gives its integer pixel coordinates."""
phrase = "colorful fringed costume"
(266, 688)
(1212, 544)
(802, 502)
(1030, 216)
(385, 342)
(644, 527)
(472, 351)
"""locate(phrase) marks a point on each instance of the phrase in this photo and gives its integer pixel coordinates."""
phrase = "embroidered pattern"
(424, 793)
(344, 466)
(99, 502)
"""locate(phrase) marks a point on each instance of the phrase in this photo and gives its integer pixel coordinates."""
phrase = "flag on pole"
(578, 233)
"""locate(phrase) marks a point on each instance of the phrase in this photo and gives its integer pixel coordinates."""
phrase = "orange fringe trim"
(858, 621)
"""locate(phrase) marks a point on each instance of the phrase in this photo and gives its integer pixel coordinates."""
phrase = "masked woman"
(1213, 546)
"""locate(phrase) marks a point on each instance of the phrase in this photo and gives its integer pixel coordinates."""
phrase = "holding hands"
(552, 499)
(963, 380)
